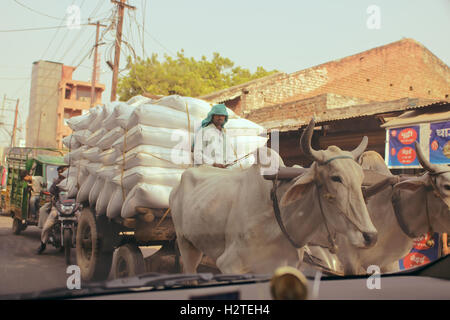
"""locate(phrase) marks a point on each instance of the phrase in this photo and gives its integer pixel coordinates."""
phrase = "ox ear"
(412, 184)
(296, 191)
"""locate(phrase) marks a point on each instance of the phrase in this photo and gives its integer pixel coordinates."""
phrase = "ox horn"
(361, 148)
(305, 143)
(427, 165)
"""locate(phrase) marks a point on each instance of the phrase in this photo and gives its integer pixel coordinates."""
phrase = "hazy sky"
(287, 35)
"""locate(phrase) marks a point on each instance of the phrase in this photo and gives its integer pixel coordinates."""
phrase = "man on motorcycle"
(53, 216)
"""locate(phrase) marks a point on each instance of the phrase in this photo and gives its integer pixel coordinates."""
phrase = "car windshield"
(230, 142)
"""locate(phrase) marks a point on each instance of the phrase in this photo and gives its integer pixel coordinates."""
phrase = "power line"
(35, 11)
(54, 36)
(22, 78)
(40, 28)
(67, 31)
(156, 40)
(144, 4)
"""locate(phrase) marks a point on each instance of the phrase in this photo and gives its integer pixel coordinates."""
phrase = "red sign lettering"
(406, 155)
(415, 259)
(421, 242)
(407, 136)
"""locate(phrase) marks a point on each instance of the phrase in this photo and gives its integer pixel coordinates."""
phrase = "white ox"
(400, 213)
(229, 215)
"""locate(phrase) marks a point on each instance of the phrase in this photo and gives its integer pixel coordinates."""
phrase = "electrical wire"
(67, 31)
(35, 11)
(39, 28)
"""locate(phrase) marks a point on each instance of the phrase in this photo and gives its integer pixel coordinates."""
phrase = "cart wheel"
(128, 261)
(67, 234)
(93, 259)
(17, 226)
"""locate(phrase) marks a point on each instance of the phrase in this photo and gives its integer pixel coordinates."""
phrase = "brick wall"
(401, 69)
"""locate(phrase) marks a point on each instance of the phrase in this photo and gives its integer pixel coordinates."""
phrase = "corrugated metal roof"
(351, 112)
(414, 117)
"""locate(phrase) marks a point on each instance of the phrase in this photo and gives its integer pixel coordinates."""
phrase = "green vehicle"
(32, 161)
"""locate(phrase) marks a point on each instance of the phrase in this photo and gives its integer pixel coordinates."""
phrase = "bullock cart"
(113, 246)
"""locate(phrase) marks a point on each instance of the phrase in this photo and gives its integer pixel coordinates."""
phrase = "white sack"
(95, 191)
(109, 156)
(161, 116)
(145, 195)
(121, 110)
(101, 113)
(108, 172)
(108, 139)
(138, 100)
(197, 108)
(63, 184)
(84, 121)
(115, 203)
(75, 155)
(146, 135)
(104, 197)
(150, 175)
(71, 142)
(70, 185)
(93, 167)
(155, 156)
(82, 136)
(96, 136)
(92, 154)
(83, 193)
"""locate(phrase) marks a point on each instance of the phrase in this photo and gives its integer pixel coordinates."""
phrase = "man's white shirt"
(213, 146)
(37, 183)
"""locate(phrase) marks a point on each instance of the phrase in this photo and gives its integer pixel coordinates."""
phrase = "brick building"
(54, 98)
(349, 97)
(397, 70)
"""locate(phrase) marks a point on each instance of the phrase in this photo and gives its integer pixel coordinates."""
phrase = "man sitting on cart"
(211, 145)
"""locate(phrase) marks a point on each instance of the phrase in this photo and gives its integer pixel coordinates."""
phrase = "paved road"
(21, 269)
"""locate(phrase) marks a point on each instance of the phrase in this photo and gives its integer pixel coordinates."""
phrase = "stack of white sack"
(87, 156)
(132, 154)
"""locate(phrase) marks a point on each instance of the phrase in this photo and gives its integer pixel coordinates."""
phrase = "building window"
(67, 94)
(83, 94)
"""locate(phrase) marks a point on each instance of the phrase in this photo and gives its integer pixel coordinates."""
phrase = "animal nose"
(370, 238)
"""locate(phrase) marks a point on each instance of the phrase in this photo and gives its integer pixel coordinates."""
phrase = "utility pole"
(122, 4)
(94, 71)
(13, 136)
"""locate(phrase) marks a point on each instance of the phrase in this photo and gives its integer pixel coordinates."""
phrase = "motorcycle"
(63, 233)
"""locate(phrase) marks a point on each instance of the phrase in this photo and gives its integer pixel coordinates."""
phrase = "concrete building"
(54, 98)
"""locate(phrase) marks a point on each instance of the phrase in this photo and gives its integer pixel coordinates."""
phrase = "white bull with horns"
(402, 209)
(230, 216)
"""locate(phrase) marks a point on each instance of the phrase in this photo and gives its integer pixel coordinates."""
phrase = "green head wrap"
(219, 109)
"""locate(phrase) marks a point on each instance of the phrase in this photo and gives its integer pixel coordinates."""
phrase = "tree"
(182, 75)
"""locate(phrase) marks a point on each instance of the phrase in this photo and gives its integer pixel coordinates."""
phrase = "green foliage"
(184, 76)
